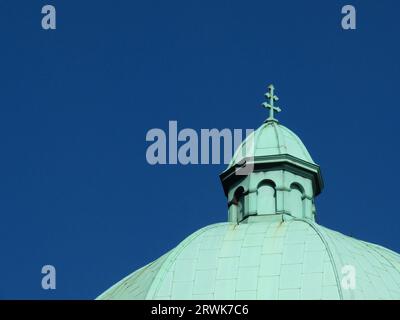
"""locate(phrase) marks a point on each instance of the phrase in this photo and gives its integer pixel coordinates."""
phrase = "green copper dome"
(271, 139)
(271, 247)
(265, 258)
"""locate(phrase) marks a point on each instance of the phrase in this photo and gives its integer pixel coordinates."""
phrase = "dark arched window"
(296, 205)
(238, 202)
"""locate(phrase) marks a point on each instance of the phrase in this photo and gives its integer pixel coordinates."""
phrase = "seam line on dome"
(164, 268)
(373, 248)
(339, 257)
(278, 139)
(330, 254)
(303, 148)
(377, 246)
(117, 289)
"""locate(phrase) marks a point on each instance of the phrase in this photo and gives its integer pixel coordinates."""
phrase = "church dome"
(266, 258)
(271, 139)
(271, 247)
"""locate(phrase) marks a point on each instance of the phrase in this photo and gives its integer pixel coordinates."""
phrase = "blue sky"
(76, 103)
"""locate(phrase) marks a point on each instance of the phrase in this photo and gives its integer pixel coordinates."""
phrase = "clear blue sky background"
(76, 104)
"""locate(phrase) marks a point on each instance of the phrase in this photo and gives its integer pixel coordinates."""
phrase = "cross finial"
(270, 95)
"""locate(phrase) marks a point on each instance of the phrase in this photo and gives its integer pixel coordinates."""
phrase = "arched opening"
(296, 205)
(238, 203)
(266, 198)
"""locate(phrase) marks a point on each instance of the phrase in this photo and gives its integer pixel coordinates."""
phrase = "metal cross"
(270, 95)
